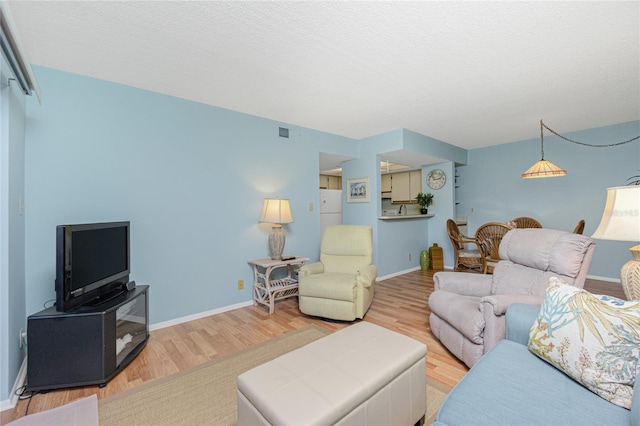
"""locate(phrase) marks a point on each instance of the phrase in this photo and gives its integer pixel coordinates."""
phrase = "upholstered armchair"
(468, 310)
(340, 286)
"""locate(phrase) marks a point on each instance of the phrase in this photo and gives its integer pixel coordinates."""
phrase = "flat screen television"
(92, 262)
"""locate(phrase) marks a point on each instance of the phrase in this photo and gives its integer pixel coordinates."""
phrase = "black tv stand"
(88, 345)
(104, 298)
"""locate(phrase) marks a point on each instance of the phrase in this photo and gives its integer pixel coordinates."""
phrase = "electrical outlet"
(409, 257)
(240, 284)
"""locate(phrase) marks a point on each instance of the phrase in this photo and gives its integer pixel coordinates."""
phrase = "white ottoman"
(361, 375)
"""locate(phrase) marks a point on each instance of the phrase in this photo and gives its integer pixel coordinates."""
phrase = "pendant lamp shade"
(543, 168)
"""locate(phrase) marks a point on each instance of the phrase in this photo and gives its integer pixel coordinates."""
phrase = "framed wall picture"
(358, 190)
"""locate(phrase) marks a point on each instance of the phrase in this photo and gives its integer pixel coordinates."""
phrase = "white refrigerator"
(330, 208)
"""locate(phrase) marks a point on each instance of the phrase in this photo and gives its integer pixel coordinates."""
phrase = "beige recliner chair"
(340, 286)
(468, 310)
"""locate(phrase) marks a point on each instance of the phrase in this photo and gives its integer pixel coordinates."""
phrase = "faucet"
(400, 209)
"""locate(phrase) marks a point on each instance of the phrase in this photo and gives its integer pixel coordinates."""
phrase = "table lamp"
(276, 211)
(621, 222)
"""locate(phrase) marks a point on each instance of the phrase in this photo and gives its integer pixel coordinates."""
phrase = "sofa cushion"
(511, 278)
(531, 256)
(593, 339)
(335, 286)
(546, 249)
(510, 386)
(346, 248)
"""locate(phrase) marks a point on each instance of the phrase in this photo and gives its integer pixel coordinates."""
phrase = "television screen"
(92, 262)
(97, 254)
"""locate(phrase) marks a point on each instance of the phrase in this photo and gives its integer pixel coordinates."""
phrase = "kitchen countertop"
(407, 216)
(461, 221)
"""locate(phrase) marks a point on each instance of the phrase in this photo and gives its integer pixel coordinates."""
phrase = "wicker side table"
(267, 290)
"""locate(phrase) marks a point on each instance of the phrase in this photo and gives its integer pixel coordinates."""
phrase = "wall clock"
(436, 179)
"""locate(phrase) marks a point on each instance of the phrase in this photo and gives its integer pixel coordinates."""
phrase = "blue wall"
(191, 178)
(443, 208)
(398, 243)
(493, 190)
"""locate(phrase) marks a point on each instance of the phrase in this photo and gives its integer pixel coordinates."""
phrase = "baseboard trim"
(13, 398)
(395, 274)
(188, 318)
(612, 280)
(449, 268)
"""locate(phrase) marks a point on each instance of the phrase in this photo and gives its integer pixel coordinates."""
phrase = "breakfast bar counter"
(407, 216)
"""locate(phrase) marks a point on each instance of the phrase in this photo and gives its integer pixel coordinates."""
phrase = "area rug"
(206, 394)
(436, 394)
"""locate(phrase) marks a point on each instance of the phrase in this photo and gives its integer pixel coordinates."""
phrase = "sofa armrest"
(494, 309)
(367, 275)
(520, 318)
(499, 303)
(464, 283)
(311, 269)
(635, 403)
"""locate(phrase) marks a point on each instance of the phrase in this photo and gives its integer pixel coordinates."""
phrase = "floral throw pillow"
(593, 339)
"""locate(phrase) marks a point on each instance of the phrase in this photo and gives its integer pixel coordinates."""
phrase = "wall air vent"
(284, 133)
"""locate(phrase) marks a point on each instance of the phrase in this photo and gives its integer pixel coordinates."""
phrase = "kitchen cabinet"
(400, 190)
(330, 182)
(415, 184)
(406, 186)
(385, 185)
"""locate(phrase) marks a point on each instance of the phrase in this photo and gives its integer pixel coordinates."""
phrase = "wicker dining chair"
(526, 222)
(469, 258)
(579, 229)
(488, 238)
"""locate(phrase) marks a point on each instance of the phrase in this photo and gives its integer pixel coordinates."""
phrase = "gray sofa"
(512, 386)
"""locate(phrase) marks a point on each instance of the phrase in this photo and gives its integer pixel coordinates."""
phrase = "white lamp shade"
(276, 210)
(543, 169)
(621, 217)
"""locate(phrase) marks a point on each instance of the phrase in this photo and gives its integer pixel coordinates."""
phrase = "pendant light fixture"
(543, 168)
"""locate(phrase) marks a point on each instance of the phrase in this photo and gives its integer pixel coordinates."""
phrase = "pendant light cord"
(542, 140)
(581, 143)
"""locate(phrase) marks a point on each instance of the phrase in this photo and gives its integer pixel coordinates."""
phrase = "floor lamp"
(621, 222)
(276, 211)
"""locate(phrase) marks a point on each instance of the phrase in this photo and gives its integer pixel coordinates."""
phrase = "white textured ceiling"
(472, 74)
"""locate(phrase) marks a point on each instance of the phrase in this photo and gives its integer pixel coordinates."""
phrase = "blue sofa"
(511, 386)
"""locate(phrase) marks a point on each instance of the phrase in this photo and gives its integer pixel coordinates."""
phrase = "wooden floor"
(400, 304)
